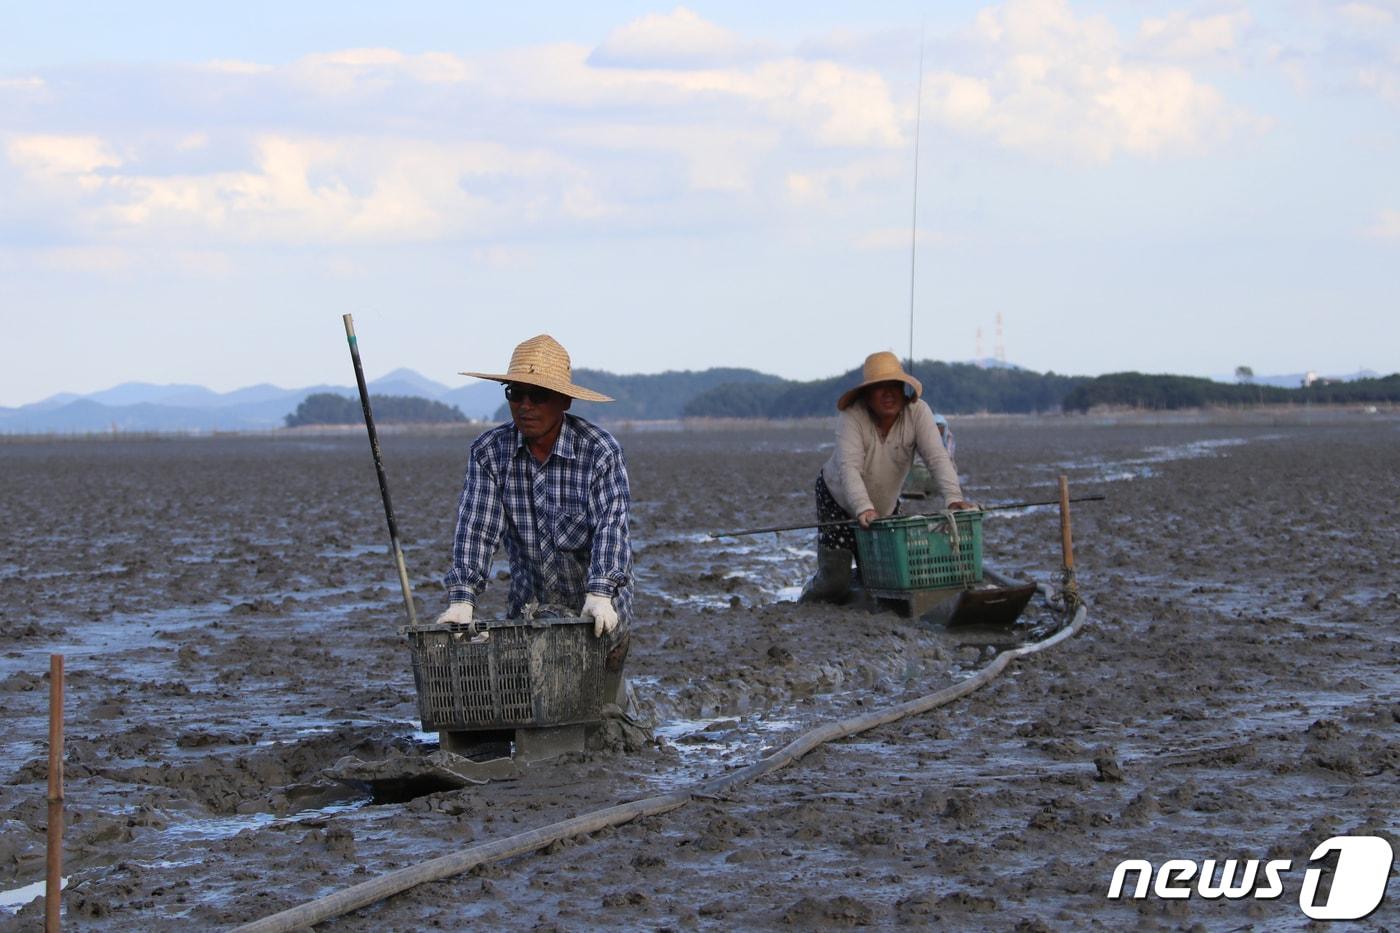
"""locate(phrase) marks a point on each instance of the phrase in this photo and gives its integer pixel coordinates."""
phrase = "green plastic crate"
(916, 552)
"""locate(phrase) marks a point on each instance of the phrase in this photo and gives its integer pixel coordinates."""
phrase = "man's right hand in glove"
(458, 614)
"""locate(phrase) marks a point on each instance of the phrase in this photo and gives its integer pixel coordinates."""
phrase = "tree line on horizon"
(1166, 392)
(330, 408)
(652, 396)
(948, 387)
(952, 388)
(964, 388)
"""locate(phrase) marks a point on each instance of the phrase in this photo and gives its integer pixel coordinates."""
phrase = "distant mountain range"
(144, 406)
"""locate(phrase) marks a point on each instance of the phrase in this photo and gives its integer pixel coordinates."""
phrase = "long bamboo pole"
(53, 880)
(379, 469)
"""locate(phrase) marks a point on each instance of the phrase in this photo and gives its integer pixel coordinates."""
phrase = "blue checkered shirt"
(564, 521)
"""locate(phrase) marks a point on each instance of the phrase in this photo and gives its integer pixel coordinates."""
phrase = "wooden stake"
(1065, 544)
(53, 886)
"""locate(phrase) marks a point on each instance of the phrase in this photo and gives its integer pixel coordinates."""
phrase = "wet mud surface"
(228, 613)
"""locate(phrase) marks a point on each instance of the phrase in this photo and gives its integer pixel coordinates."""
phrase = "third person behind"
(883, 422)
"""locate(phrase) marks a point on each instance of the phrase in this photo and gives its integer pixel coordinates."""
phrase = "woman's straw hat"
(541, 361)
(879, 367)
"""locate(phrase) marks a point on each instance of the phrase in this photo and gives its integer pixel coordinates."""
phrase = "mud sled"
(529, 689)
(930, 567)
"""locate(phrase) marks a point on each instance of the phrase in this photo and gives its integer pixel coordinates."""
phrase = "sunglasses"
(519, 392)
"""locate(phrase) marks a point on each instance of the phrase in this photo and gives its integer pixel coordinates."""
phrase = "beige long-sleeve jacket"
(867, 472)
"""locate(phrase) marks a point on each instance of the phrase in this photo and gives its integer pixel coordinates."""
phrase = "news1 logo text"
(1358, 880)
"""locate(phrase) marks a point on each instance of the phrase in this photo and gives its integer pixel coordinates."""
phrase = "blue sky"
(191, 194)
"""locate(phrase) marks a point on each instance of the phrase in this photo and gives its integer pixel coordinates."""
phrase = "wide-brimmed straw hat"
(879, 367)
(542, 361)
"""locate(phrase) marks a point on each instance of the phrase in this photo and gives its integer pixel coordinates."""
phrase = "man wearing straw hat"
(883, 423)
(554, 486)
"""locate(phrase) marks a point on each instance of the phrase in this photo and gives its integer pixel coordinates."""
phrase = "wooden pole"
(1066, 545)
(53, 885)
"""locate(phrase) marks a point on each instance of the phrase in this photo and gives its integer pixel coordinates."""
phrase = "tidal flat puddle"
(706, 747)
(776, 573)
(208, 829)
(1120, 469)
(12, 900)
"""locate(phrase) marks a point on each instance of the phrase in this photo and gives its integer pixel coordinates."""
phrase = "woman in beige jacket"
(883, 423)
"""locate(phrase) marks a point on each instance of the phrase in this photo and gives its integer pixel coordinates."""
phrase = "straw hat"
(541, 361)
(879, 367)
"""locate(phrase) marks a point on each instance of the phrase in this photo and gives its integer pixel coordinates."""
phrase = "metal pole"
(914, 221)
(53, 881)
(379, 470)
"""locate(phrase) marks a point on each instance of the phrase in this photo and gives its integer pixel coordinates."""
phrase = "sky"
(195, 193)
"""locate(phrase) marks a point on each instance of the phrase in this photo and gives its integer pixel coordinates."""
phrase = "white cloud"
(716, 157)
(1053, 84)
(1180, 36)
(1386, 226)
(679, 39)
(817, 187)
(827, 103)
(554, 136)
(53, 156)
(844, 106)
(308, 189)
(357, 71)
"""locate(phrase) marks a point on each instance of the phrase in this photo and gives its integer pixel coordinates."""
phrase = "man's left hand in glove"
(600, 609)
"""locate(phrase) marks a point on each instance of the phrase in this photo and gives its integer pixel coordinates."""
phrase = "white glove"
(458, 614)
(600, 609)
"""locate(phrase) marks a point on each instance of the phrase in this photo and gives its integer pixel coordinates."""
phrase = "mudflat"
(229, 615)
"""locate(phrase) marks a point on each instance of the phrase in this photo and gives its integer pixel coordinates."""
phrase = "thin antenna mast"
(914, 220)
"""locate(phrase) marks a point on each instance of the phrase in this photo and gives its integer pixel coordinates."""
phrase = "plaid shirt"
(564, 520)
